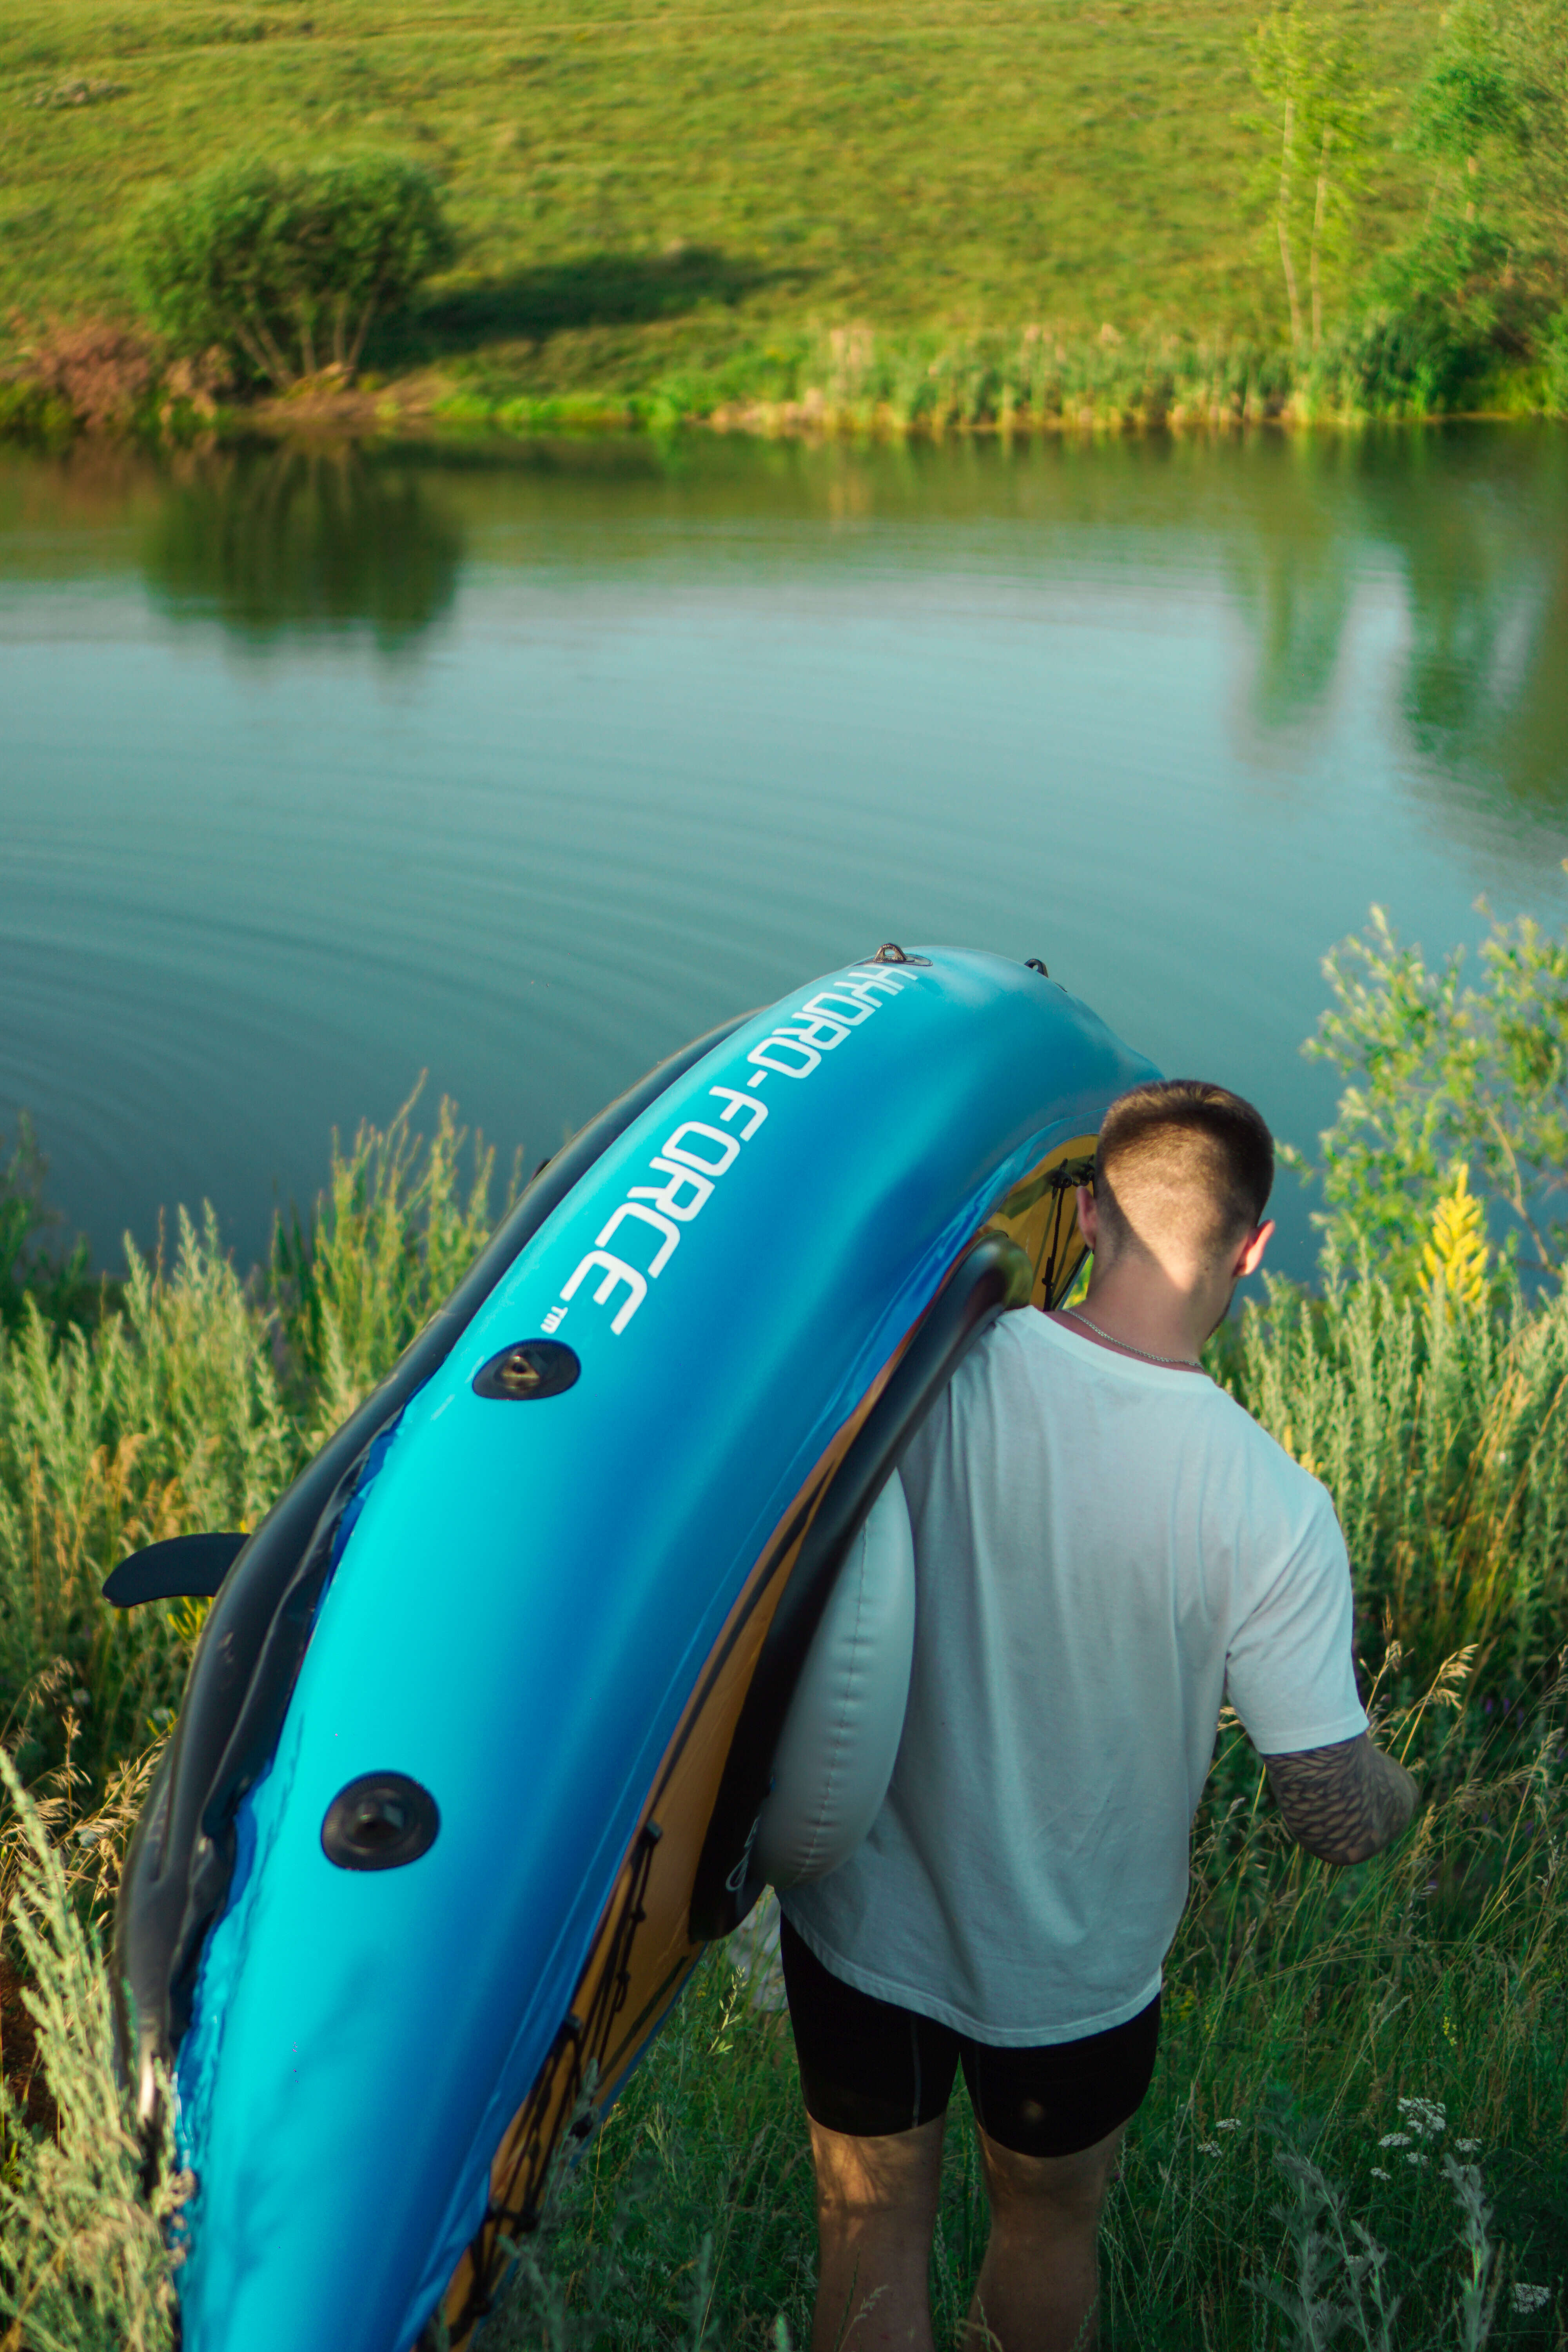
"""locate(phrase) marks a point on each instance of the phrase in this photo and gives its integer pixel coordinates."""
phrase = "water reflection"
(1467, 530)
(1470, 531)
(1472, 528)
(297, 540)
(1485, 556)
(1295, 587)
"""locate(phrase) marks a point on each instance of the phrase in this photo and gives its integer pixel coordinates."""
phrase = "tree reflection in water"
(1486, 566)
(279, 543)
(1473, 527)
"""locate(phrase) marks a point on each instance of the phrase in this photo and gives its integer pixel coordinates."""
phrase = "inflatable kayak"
(477, 1749)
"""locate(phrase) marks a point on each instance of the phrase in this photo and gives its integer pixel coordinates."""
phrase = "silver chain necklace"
(1171, 1363)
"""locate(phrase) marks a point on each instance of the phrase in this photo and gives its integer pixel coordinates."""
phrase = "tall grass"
(85, 2258)
(1043, 377)
(189, 1406)
(390, 1239)
(164, 1417)
(1333, 2044)
(1356, 2132)
(1440, 1427)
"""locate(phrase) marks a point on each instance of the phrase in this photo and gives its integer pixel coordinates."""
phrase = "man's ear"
(1088, 1214)
(1252, 1249)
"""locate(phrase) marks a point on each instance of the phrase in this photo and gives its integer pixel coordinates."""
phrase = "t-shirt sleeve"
(1290, 1671)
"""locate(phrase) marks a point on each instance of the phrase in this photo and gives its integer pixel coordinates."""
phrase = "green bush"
(1441, 321)
(1477, 290)
(286, 268)
(1439, 1074)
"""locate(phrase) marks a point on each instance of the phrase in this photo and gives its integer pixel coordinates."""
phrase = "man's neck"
(1138, 1311)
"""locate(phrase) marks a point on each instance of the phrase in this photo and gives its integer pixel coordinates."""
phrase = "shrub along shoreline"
(844, 382)
(1361, 2104)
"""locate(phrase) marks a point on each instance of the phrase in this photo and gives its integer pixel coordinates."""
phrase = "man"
(1106, 1546)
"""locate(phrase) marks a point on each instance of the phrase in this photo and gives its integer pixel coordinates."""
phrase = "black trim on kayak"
(181, 1855)
(993, 1275)
(184, 1568)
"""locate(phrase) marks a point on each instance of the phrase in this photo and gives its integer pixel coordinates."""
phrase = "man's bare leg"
(1038, 2289)
(876, 2209)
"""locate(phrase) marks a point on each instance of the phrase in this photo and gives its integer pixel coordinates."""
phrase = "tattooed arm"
(1343, 1803)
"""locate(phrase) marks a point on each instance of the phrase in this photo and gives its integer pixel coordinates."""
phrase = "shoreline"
(849, 384)
(455, 420)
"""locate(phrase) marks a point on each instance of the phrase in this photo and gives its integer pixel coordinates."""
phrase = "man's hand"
(1343, 1803)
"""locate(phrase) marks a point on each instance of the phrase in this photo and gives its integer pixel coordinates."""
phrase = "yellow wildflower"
(1456, 1255)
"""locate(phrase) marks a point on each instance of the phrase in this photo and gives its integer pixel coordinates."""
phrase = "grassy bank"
(1307, 2010)
(892, 216)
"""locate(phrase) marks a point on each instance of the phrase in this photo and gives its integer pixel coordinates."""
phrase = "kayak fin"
(186, 1568)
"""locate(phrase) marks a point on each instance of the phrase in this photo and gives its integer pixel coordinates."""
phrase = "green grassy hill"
(678, 184)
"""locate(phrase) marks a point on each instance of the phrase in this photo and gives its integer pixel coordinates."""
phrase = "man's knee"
(1063, 2192)
(861, 2180)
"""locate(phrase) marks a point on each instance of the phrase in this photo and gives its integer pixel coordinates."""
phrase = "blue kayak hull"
(547, 1610)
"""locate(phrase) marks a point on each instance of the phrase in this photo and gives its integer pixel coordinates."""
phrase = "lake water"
(320, 770)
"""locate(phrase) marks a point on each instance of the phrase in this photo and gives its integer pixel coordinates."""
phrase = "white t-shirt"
(1104, 1550)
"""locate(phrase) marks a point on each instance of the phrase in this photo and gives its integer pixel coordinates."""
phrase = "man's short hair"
(1183, 1161)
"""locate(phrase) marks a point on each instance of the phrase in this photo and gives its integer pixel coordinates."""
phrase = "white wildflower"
(1530, 2298)
(1427, 2116)
(1378, 2173)
(1228, 2123)
(1394, 2139)
(1417, 2160)
(1208, 2147)
(1467, 2146)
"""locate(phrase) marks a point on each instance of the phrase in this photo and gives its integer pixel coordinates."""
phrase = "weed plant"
(1357, 2128)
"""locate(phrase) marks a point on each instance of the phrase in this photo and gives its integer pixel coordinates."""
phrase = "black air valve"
(380, 1822)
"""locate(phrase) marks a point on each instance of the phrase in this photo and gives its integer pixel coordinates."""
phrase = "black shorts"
(869, 2068)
